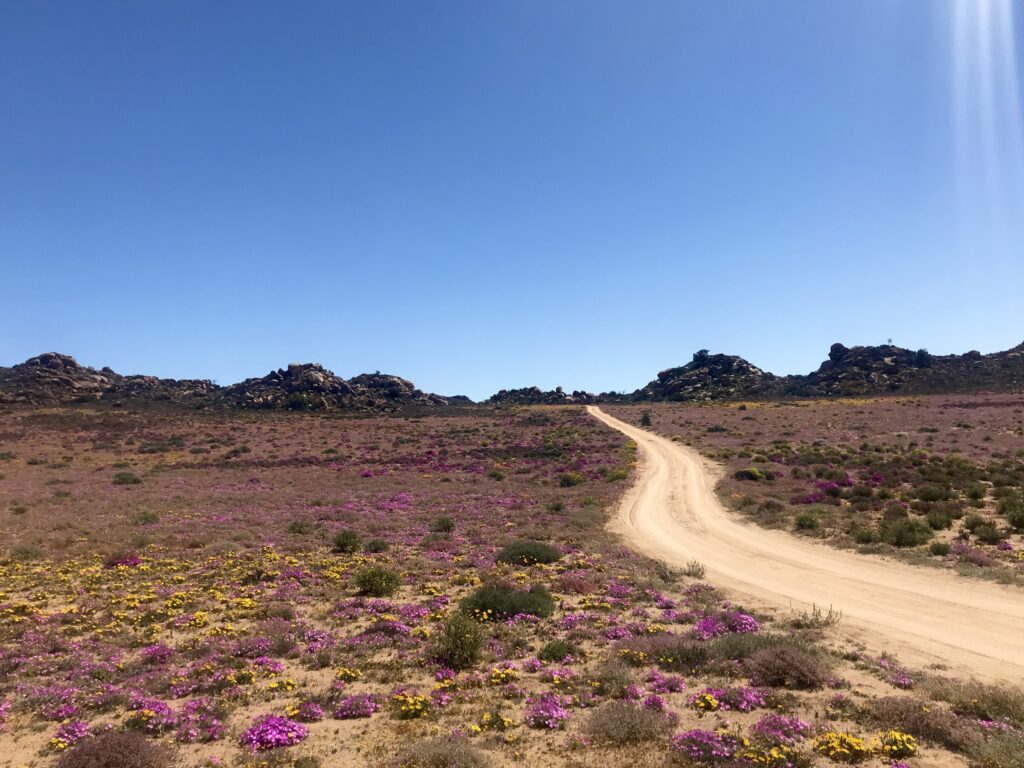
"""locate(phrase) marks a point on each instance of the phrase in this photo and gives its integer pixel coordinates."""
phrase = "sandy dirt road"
(923, 616)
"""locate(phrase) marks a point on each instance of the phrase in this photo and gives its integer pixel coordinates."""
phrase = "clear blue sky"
(477, 195)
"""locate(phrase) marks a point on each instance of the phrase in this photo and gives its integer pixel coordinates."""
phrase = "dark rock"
(536, 396)
(709, 377)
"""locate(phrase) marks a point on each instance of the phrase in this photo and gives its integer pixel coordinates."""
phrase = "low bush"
(918, 719)
(753, 474)
(806, 521)
(460, 642)
(694, 570)
(973, 522)
(623, 722)
(499, 601)
(940, 548)
(979, 700)
(1011, 507)
(528, 553)
(570, 479)
(988, 534)
(863, 534)
(1001, 750)
(376, 546)
(673, 653)
(788, 666)
(126, 478)
(118, 749)
(905, 533)
(443, 752)
(346, 542)
(378, 581)
(932, 493)
(738, 646)
(301, 527)
(443, 524)
(613, 679)
(557, 650)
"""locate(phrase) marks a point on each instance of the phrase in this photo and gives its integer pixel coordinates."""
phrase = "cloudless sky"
(477, 195)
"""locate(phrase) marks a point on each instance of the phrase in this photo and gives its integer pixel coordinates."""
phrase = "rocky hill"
(848, 371)
(313, 387)
(52, 378)
(536, 396)
(886, 368)
(710, 377)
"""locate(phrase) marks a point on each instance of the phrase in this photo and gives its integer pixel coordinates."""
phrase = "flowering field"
(285, 590)
(936, 480)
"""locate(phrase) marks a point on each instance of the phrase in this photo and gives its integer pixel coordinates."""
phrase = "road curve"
(923, 616)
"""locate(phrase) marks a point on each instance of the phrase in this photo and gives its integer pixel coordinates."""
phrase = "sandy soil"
(924, 617)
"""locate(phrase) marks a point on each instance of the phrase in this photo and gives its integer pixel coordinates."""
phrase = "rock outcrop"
(53, 378)
(537, 396)
(709, 377)
(872, 370)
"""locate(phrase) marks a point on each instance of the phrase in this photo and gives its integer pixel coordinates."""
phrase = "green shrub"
(1001, 750)
(1016, 519)
(988, 534)
(753, 474)
(147, 517)
(460, 642)
(695, 569)
(346, 542)
(443, 524)
(973, 522)
(377, 546)
(499, 601)
(118, 749)
(864, 535)
(932, 493)
(979, 700)
(1011, 504)
(301, 527)
(126, 478)
(26, 552)
(612, 678)
(616, 474)
(378, 581)
(905, 533)
(623, 722)
(976, 491)
(673, 653)
(570, 479)
(442, 752)
(557, 650)
(787, 666)
(917, 718)
(940, 548)
(528, 553)
(939, 519)
(806, 521)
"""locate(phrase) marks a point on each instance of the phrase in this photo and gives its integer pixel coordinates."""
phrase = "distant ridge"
(53, 378)
(848, 371)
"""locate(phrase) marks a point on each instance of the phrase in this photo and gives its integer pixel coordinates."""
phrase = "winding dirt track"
(921, 615)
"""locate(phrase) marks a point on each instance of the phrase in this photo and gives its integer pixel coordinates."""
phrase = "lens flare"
(989, 124)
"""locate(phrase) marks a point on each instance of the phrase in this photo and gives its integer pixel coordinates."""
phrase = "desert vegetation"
(934, 480)
(302, 590)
